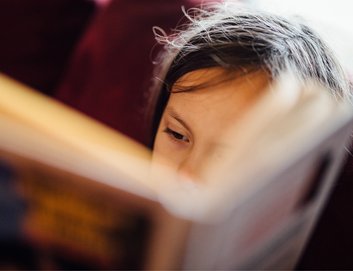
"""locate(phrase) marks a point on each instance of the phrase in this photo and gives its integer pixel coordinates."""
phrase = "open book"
(75, 194)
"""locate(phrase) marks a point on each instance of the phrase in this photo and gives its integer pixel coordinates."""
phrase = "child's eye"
(177, 136)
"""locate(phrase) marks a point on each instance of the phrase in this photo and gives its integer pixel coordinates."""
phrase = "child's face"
(192, 124)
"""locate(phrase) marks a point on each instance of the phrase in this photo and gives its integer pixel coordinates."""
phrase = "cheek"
(159, 146)
(166, 153)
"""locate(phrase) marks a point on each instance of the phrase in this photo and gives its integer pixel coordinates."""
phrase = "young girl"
(215, 67)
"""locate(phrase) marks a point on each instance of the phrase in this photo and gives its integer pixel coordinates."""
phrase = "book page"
(76, 136)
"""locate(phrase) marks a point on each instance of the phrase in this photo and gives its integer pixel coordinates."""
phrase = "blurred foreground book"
(75, 194)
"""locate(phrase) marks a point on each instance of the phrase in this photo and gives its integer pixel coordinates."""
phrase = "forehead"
(218, 99)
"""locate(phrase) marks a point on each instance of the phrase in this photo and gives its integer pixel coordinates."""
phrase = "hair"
(238, 39)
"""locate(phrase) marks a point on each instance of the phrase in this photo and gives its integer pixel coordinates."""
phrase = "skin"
(192, 124)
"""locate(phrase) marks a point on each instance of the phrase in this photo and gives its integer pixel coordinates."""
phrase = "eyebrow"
(177, 117)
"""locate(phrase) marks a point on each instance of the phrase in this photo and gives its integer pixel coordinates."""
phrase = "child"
(225, 54)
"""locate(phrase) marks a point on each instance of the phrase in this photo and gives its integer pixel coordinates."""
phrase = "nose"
(191, 166)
